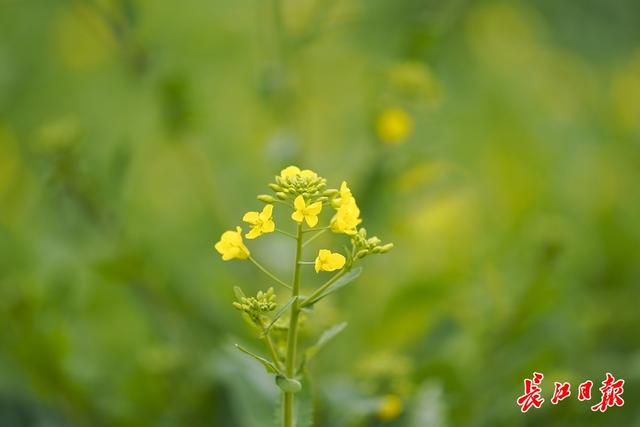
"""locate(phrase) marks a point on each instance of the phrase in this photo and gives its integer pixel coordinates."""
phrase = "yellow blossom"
(394, 125)
(347, 218)
(231, 246)
(261, 222)
(294, 170)
(307, 213)
(390, 407)
(328, 261)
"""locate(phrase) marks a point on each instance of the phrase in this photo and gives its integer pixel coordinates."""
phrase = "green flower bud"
(281, 196)
(386, 248)
(374, 241)
(266, 198)
(330, 193)
(275, 187)
(362, 253)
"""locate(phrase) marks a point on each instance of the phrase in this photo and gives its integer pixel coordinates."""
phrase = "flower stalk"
(304, 194)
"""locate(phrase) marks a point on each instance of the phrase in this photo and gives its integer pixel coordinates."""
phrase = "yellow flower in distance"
(231, 246)
(346, 218)
(390, 407)
(261, 222)
(328, 261)
(294, 170)
(306, 213)
(394, 125)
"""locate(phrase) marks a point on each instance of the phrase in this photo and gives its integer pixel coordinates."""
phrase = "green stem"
(309, 230)
(292, 337)
(312, 238)
(285, 233)
(268, 273)
(323, 288)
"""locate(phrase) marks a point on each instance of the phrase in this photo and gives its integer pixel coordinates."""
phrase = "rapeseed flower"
(261, 222)
(231, 245)
(329, 261)
(306, 213)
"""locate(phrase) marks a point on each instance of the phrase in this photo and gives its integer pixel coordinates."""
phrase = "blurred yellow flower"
(394, 125)
(307, 213)
(346, 218)
(261, 222)
(390, 408)
(231, 245)
(345, 195)
(328, 261)
(294, 170)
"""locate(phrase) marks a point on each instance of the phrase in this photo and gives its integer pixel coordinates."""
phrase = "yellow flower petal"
(268, 226)
(253, 233)
(289, 171)
(297, 216)
(299, 203)
(337, 261)
(266, 213)
(314, 208)
(312, 220)
(251, 217)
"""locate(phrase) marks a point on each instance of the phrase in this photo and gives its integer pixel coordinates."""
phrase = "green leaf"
(326, 336)
(278, 314)
(288, 385)
(338, 284)
(270, 367)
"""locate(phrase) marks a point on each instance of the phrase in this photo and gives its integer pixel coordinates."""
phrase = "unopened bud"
(362, 253)
(281, 196)
(266, 198)
(330, 192)
(275, 187)
(386, 248)
(374, 241)
(376, 250)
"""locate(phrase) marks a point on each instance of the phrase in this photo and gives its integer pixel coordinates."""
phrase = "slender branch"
(285, 233)
(308, 230)
(323, 287)
(312, 238)
(272, 349)
(306, 262)
(282, 202)
(268, 273)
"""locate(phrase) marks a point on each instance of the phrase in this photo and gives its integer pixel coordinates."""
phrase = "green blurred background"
(133, 132)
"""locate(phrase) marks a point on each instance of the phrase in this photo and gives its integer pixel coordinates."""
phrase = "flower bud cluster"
(263, 302)
(366, 246)
(294, 183)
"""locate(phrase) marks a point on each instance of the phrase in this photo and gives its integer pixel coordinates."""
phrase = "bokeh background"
(497, 144)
